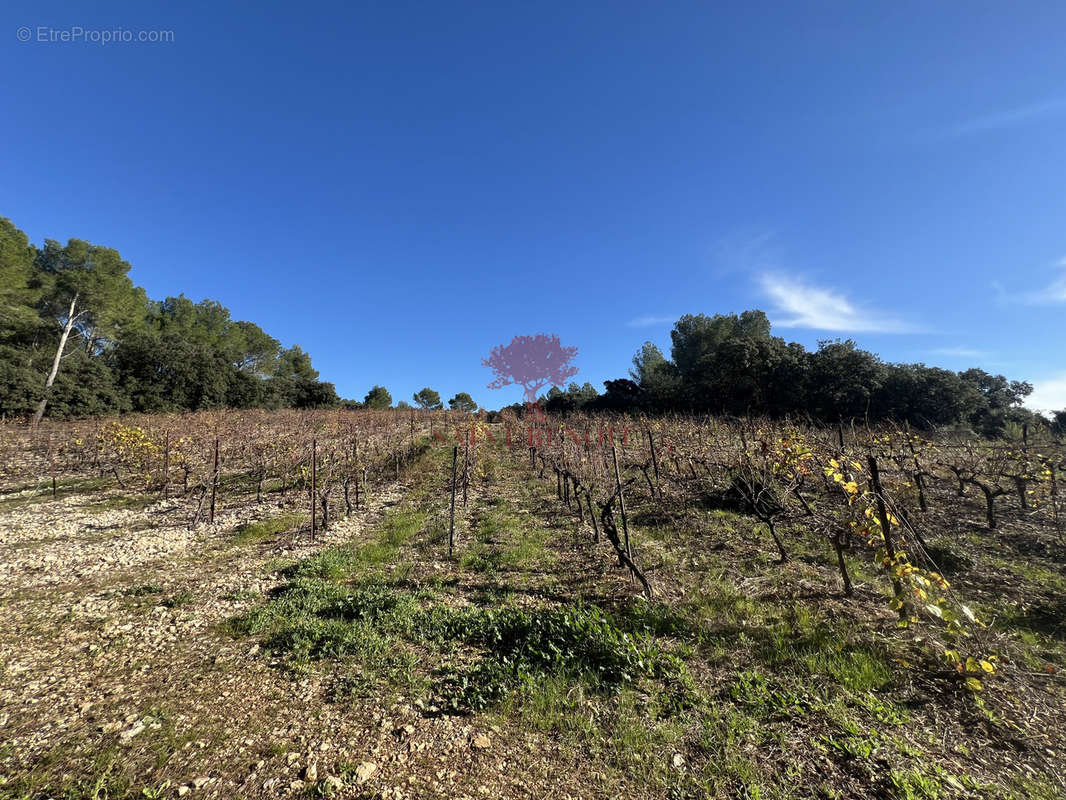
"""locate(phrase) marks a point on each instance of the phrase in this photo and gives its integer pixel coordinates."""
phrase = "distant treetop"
(378, 397)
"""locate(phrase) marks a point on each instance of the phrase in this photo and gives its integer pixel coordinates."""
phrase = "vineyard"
(419, 604)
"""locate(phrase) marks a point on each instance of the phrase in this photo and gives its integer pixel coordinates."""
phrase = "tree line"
(426, 399)
(731, 364)
(78, 338)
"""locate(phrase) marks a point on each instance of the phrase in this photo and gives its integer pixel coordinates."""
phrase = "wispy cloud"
(1054, 292)
(815, 307)
(961, 352)
(1048, 395)
(1008, 118)
(649, 321)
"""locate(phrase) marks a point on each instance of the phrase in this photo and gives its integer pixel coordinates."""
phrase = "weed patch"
(321, 615)
(253, 532)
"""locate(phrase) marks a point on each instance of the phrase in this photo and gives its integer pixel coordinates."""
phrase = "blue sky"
(397, 186)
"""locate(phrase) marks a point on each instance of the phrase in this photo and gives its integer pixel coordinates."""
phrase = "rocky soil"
(117, 670)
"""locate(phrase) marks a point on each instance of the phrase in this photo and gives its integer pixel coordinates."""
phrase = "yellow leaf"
(987, 667)
(973, 684)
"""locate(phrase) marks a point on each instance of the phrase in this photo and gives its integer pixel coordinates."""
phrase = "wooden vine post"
(655, 464)
(52, 465)
(919, 478)
(355, 466)
(314, 488)
(577, 497)
(466, 469)
(451, 523)
(214, 483)
(166, 467)
(621, 502)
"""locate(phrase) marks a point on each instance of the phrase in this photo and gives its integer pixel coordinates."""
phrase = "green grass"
(344, 604)
(580, 644)
(504, 541)
(104, 776)
(332, 606)
(727, 735)
(914, 785)
(855, 669)
(530, 551)
(765, 697)
(42, 490)
(316, 617)
(104, 772)
(576, 672)
(122, 502)
(254, 532)
(353, 560)
(241, 594)
(143, 589)
(790, 638)
(1034, 789)
(1034, 572)
(182, 598)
